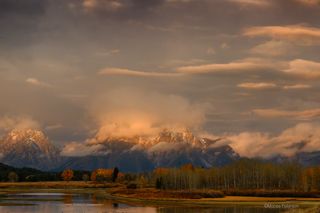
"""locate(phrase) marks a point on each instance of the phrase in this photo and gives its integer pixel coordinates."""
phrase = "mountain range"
(167, 149)
(31, 148)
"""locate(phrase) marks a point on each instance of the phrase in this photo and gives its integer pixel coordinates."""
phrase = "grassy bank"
(165, 200)
(151, 193)
(272, 193)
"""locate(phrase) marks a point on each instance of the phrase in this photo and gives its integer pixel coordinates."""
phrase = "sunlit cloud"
(260, 85)
(195, 49)
(111, 5)
(300, 35)
(303, 137)
(227, 67)
(255, 3)
(81, 149)
(130, 112)
(8, 123)
(304, 68)
(291, 114)
(128, 72)
(297, 86)
(273, 48)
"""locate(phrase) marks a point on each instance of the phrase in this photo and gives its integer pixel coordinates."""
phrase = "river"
(90, 203)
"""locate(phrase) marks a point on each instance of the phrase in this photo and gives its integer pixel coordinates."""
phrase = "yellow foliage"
(161, 171)
(103, 174)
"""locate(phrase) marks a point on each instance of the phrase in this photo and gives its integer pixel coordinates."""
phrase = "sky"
(248, 70)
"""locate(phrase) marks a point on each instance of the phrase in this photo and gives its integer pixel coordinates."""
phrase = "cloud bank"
(304, 137)
(300, 115)
(301, 35)
(130, 112)
(80, 149)
(8, 123)
(304, 68)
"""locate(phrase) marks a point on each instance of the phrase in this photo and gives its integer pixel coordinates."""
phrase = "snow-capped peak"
(25, 135)
(28, 147)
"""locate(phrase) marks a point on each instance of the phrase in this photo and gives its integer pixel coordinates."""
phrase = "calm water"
(69, 203)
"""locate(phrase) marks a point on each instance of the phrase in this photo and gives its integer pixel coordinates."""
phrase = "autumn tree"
(101, 175)
(244, 174)
(67, 175)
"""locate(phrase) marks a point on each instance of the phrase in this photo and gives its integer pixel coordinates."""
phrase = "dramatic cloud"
(304, 68)
(8, 123)
(174, 55)
(300, 115)
(298, 34)
(260, 85)
(304, 137)
(127, 72)
(128, 113)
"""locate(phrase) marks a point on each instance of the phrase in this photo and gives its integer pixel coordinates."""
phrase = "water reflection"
(87, 203)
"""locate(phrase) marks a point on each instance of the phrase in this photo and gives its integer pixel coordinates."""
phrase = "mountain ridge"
(170, 148)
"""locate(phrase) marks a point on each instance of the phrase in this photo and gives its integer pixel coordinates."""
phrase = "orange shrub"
(67, 175)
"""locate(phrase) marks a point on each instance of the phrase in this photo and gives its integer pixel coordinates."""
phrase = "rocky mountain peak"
(24, 135)
(182, 136)
(28, 148)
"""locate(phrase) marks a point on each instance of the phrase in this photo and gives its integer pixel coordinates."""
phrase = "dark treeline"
(244, 174)
(8, 173)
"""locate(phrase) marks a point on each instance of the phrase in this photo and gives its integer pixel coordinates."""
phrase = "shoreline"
(111, 191)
